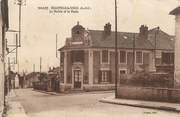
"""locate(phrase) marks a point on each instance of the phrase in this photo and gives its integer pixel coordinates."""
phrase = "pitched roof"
(125, 40)
(176, 11)
(163, 40)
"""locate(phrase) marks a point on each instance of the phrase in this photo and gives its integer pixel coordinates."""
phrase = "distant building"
(88, 57)
(31, 78)
(53, 79)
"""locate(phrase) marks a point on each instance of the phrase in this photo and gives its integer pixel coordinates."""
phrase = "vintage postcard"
(90, 58)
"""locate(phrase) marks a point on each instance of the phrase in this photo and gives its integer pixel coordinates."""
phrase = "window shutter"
(100, 76)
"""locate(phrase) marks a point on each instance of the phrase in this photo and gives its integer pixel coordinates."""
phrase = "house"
(31, 78)
(87, 59)
(53, 79)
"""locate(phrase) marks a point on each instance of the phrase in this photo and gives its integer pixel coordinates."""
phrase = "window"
(77, 56)
(122, 57)
(105, 76)
(139, 57)
(167, 58)
(104, 56)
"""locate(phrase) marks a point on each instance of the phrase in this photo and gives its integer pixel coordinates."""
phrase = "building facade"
(176, 12)
(4, 23)
(87, 60)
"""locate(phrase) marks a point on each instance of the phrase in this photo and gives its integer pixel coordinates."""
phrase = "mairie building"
(87, 60)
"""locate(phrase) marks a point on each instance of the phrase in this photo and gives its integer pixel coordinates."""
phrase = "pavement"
(31, 103)
(14, 107)
(175, 107)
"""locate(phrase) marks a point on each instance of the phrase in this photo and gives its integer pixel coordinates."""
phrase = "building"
(176, 12)
(4, 23)
(87, 60)
(53, 79)
(31, 78)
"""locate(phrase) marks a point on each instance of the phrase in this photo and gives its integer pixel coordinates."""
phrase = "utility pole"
(155, 44)
(57, 55)
(116, 52)
(56, 45)
(134, 46)
(20, 3)
(34, 68)
(9, 68)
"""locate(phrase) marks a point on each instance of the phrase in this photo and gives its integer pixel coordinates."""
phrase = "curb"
(68, 93)
(165, 108)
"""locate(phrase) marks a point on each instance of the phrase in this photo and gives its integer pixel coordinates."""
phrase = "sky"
(39, 26)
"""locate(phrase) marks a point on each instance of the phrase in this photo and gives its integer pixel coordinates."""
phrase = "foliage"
(148, 79)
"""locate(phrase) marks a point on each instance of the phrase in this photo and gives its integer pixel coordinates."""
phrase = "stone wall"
(149, 93)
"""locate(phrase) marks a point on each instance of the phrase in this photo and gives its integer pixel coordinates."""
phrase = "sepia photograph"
(90, 58)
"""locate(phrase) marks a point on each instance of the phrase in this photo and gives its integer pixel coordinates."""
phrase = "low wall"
(149, 93)
(99, 87)
(94, 87)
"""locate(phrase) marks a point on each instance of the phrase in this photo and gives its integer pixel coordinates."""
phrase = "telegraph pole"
(56, 45)
(57, 55)
(8, 79)
(33, 67)
(155, 44)
(134, 46)
(20, 3)
(116, 52)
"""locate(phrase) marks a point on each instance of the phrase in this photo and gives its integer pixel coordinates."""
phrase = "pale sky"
(39, 27)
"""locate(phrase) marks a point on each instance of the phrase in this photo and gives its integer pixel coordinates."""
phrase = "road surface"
(37, 104)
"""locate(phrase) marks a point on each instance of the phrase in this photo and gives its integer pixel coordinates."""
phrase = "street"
(37, 104)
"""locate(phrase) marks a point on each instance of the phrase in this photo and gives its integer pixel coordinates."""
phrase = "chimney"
(107, 29)
(143, 32)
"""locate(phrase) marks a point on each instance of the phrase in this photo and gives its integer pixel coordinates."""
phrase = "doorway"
(77, 78)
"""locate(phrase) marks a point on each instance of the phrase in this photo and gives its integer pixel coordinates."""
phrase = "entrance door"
(77, 79)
